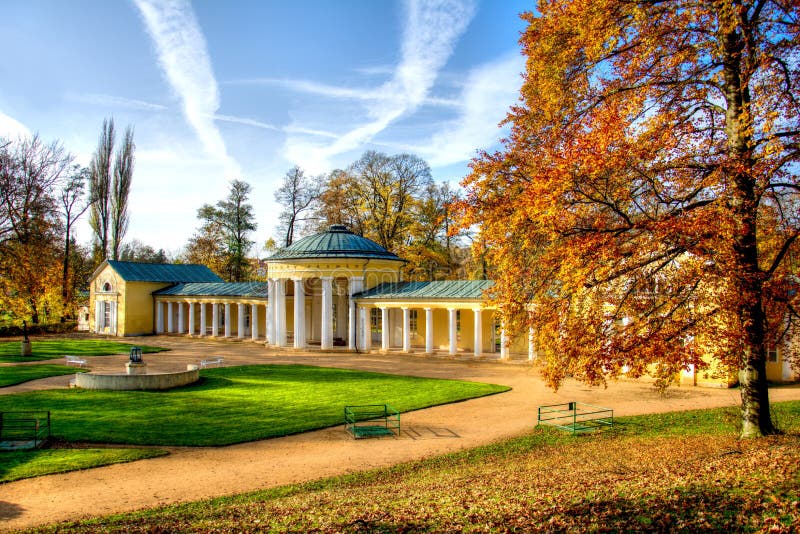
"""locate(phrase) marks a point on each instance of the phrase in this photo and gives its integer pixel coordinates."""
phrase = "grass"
(51, 349)
(17, 465)
(235, 404)
(17, 374)
(684, 471)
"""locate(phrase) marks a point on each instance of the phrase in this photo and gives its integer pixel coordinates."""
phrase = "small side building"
(121, 294)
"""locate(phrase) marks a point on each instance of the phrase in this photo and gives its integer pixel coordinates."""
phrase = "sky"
(222, 90)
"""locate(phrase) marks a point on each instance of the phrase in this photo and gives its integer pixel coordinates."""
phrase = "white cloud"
(245, 121)
(182, 54)
(12, 128)
(114, 101)
(431, 30)
(488, 94)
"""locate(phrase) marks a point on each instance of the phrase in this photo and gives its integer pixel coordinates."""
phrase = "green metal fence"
(24, 429)
(370, 420)
(576, 417)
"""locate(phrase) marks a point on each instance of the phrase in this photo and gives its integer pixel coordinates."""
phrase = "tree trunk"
(743, 203)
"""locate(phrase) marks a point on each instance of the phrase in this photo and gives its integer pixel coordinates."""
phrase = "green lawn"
(17, 465)
(50, 349)
(17, 374)
(235, 404)
(646, 475)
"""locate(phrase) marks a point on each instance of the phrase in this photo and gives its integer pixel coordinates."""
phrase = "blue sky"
(218, 90)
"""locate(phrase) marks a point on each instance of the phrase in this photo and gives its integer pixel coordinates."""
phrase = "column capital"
(326, 278)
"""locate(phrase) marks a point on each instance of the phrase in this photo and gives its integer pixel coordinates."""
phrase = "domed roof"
(336, 242)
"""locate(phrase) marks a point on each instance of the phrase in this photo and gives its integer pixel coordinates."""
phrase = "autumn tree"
(30, 227)
(643, 211)
(223, 242)
(297, 195)
(139, 252)
(72, 204)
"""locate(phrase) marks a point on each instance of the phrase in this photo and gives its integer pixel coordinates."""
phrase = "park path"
(189, 474)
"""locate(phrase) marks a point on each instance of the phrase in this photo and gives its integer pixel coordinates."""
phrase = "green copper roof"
(218, 289)
(163, 272)
(336, 242)
(441, 290)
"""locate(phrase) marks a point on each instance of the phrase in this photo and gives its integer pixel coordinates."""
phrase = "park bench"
(75, 360)
(211, 361)
(370, 420)
(576, 417)
(24, 429)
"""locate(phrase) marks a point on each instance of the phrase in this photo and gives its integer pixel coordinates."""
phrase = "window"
(412, 321)
(107, 287)
(375, 319)
(772, 355)
(106, 314)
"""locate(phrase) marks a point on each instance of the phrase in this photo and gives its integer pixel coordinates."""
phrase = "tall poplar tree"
(100, 189)
(109, 186)
(644, 210)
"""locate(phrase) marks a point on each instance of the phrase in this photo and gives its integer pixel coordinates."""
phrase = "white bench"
(75, 360)
(210, 362)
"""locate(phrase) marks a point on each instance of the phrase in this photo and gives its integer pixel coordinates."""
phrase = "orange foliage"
(644, 209)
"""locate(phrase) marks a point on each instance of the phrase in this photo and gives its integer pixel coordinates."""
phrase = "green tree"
(223, 240)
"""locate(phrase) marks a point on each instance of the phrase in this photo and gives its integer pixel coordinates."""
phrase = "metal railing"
(25, 426)
(370, 420)
(576, 417)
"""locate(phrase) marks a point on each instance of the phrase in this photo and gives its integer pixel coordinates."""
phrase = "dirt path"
(194, 473)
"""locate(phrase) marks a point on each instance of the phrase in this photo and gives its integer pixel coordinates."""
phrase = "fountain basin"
(126, 382)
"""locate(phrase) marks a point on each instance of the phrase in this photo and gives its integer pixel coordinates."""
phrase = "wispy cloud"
(182, 54)
(378, 95)
(488, 94)
(114, 101)
(245, 121)
(12, 128)
(431, 30)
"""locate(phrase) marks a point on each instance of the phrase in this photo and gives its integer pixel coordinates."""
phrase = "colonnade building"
(332, 291)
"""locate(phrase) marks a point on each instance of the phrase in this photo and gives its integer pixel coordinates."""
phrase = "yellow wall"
(374, 271)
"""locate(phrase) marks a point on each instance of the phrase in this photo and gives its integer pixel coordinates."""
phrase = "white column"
(280, 312)
(299, 314)
(366, 331)
(429, 330)
(215, 319)
(191, 318)
(113, 318)
(531, 344)
(98, 311)
(453, 333)
(170, 322)
(406, 330)
(326, 341)
(181, 321)
(271, 339)
(159, 316)
(227, 319)
(478, 342)
(254, 322)
(203, 319)
(385, 329)
(240, 328)
(355, 285)
(504, 355)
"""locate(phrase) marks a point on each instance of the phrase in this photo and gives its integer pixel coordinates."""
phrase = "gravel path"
(189, 474)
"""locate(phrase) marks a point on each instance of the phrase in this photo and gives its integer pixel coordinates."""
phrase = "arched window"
(107, 287)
